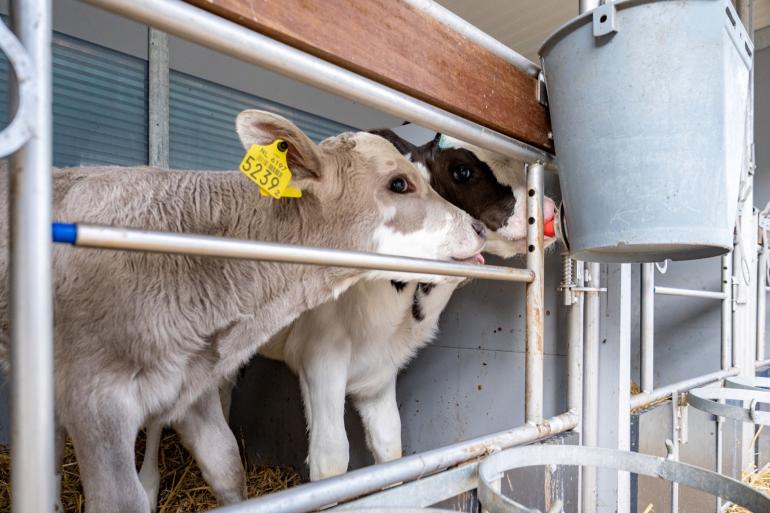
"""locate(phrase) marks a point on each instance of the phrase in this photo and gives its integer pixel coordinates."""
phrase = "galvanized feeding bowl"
(648, 103)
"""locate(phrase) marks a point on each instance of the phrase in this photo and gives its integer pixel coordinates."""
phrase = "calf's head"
(489, 186)
(364, 195)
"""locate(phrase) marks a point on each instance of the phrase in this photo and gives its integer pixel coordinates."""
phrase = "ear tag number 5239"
(266, 166)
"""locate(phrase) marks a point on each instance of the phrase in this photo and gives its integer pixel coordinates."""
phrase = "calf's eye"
(399, 185)
(461, 173)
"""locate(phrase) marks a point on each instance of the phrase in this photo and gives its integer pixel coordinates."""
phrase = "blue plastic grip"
(65, 232)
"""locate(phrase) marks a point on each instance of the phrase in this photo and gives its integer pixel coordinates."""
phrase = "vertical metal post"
(591, 384)
(575, 347)
(674, 449)
(624, 390)
(575, 357)
(647, 328)
(761, 296)
(31, 305)
(590, 417)
(535, 291)
(726, 351)
(158, 99)
(744, 263)
(727, 311)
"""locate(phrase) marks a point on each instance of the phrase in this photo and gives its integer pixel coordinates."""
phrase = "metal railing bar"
(355, 484)
(105, 237)
(423, 492)
(475, 34)
(706, 294)
(643, 400)
(199, 26)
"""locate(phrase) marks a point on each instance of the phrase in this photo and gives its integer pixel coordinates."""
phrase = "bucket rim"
(587, 17)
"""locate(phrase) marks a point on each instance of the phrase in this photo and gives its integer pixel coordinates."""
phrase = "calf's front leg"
(382, 422)
(323, 378)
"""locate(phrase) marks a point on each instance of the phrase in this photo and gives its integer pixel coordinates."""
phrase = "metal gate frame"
(454, 466)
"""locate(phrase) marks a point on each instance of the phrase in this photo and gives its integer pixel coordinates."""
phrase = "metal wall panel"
(202, 128)
(99, 104)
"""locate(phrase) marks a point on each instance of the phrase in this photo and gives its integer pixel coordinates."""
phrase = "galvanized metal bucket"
(648, 103)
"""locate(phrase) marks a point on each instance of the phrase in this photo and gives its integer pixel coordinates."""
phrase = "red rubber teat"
(548, 228)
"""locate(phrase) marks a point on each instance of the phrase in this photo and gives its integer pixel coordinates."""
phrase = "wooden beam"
(391, 42)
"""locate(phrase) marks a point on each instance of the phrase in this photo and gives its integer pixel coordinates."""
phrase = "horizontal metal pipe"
(474, 34)
(354, 484)
(707, 294)
(196, 25)
(105, 237)
(762, 364)
(643, 400)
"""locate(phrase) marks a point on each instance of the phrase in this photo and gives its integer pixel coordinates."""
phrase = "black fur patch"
(398, 285)
(426, 287)
(417, 312)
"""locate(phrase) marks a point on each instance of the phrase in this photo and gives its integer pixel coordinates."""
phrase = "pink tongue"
(479, 258)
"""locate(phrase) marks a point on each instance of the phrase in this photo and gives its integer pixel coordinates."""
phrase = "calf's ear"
(260, 127)
(402, 145)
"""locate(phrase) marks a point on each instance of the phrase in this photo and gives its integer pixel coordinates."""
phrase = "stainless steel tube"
(761, 298)
(311, 496)
(591, 385)
(196, 25)
(725, 352)
(575, 348)
(590, 418)
(674, 455)
(643, 400)
(647, 328)
(727, 310)
(706, 294)
(474, 34)
(533, 381)
(106, 237)
(31, 297)
(587, 5)
(158, 99)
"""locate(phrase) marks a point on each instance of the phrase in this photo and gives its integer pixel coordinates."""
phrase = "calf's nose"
(479, 228)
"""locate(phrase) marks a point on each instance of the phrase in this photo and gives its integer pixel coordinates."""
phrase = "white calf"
(355, 346)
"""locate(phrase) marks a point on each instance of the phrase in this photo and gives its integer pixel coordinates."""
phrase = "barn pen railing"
(31, 304)
(31, 294)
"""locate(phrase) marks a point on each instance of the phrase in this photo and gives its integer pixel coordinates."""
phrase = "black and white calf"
(354, 346)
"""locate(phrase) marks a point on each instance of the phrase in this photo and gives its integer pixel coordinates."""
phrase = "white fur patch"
(422, 170)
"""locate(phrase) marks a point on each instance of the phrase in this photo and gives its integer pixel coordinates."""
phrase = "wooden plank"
(394, 44)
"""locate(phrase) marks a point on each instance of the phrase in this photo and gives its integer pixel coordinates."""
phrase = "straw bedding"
(182, 487)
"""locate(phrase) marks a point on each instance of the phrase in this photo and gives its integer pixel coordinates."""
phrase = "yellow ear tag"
(266, 166)
(289, 192)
